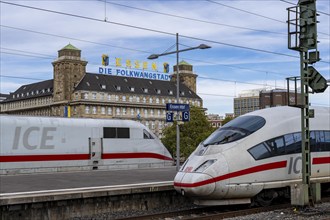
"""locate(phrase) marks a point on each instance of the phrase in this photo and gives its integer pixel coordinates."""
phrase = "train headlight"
(205, 165)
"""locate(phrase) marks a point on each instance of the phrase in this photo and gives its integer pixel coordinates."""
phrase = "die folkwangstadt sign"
(136, 69)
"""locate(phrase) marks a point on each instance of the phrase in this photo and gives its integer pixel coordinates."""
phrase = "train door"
(95, 148)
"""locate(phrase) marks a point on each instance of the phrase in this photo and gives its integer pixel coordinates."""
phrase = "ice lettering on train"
(34, 137)
(293, 162)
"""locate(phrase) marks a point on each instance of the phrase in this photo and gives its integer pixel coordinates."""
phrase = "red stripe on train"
(30, 158)
(260, 168)
(134, 156)
(321, 160)
(269, 166)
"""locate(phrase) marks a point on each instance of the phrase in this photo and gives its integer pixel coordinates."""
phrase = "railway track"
(222, 212)
(216, 212)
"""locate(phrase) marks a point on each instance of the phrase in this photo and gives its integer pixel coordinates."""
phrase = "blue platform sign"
(186, 116)
(177, 107)
(169, 117)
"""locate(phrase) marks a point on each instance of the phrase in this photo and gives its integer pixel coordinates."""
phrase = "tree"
(191, 133)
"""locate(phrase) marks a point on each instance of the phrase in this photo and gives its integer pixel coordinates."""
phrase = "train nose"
(194, 184)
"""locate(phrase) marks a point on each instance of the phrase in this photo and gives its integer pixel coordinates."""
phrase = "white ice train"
(49, 144)
(255, 158)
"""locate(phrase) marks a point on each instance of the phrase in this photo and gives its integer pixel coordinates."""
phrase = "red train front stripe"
(260, 168)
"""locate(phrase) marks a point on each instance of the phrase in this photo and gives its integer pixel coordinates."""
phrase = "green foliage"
(191, 133)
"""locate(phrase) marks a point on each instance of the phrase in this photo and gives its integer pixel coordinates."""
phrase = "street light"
(155, 56)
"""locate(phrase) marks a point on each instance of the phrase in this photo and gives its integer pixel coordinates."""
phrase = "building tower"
(187, 76)
(69, 69)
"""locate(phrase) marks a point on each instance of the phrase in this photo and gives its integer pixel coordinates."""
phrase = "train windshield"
(234, 130)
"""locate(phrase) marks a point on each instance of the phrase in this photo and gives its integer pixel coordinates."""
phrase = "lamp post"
(155, 56)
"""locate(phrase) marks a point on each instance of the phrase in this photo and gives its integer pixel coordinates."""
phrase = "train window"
(320, 141)
(248, 123)
(109, 132)
(122, 132)
(291, 144)
(277, 145)
(327, 140)
(260, 152)
(327, 136)
(147, 135)
(235, 130)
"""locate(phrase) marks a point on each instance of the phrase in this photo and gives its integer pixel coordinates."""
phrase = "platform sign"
(177, 107)
(169, 117)
(186, 116)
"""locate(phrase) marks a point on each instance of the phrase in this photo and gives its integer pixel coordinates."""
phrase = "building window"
(103, 110)
(146, 112)
(124, 111)
(144, 99)
(137, 99)
(87, 109)
(102, 96)
(109, 97)
(158, 113)
(151, 112)
(152, 125)
(85, 95)
(132, 111)
(94, 110)
(145, 90)
(124, 98)
(131, 89)
(109, 110)
(157, 100)
(117, 88)
(150, 100)
(130, 99)
(118, 111)
(117, 98)
(93, 95)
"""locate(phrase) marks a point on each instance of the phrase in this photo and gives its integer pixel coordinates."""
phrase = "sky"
(248, 39)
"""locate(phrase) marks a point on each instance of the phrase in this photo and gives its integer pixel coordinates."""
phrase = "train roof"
(72, 121)
(289, 112)
(280, 109)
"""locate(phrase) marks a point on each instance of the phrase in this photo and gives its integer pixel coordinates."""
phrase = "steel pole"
(177, 101)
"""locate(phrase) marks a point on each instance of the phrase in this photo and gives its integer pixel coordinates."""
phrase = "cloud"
(222, 62)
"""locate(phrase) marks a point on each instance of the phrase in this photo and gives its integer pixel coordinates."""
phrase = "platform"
(83, 179)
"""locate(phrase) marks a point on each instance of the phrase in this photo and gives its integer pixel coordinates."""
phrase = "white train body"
(235, 164)
(46, 144)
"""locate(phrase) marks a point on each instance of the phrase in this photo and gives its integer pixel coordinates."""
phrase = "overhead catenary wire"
(195, 19)
(188, 37)
(256, 14)
(152, 30)
(185, 58)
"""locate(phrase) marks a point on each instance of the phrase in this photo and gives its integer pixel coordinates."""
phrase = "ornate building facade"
(75, 93)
